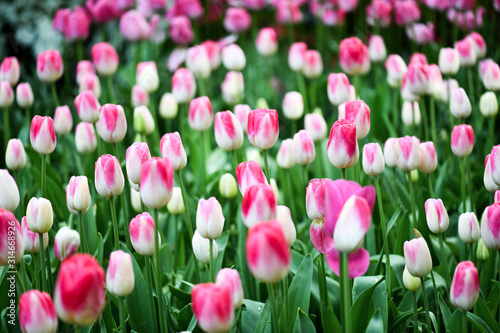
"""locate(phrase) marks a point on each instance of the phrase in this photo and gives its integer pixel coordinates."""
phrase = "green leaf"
(393, 219)
(376, 324)
(221, 245)
(455, 323)
(254, 316)
(329, 320)
(482, 311)
(479, 323)
(445, 311)
(184, 296)
(364, 286)
(399, 320)
(303, 323)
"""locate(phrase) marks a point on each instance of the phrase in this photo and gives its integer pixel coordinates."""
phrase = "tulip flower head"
(228, 131)
(233, 58)
(200, 114)
(87, 106)
(488, 104)
(468, 228)
(263, 128)
(8, 222)
(78, 195)
(436, 216)
(231, 277)
(358, 113)
(31, 240)
(293, 105)
(147, 76)
(407, 152)
(460, 106)
(296, 56)
(66, 243)
(396, 69)
(373, 159)
(313, 64)
(258, 204)
(105, 58)
(39, 215)
(233, 87)
(168, 106)
(213, 306)
(320, 240)
(342, 149)
(171, 147)
(303, 150)
(63, 121)
(43, 135)
(176, 205)
(428, 157)
(209, 218)
(411, 282)
(354, 56)
(9, 192)
(10, 70)
(315, 124)
(143, 120)
(201, 248)
(24, 95)
(142, 230)
(465, 286)
(15, 155)
(137, 154)
(418, 257)
(462, 140)
(112, 124)
(338, 88)
(85, 138)
(248, 174)
(49, 66)
(37, 312)
(267, 42)
(490, 226)
(157, 182)
(120, 278)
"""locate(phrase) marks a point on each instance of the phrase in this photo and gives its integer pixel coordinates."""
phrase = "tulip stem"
(54, 94)
(212, 276)
(413, 205)
(123, 325)
(429, 182)
(415, 313)
(148, 267)
(186, 208)
(293, 209)
(235, 160)
(159, 289)
(6, 127)
(203, 168)
(115, 223)
(464, 203)
(25, 274)
(201, 85)
(445, 261)
(395, 182)
(111, 91)
(268, 175)
(285, 303)
(274, 308)
(471, 87)
(302, 89)
(42, 262)
(465, 326)
(343, 173)
(50, 279)
(345, 291)
(436, 296)
(21, 283)
(423, 107)
(36, 277)
(384, 237)
(426, 305)
(85, 246)
(44, 172)
(433, 120)
(395, 109)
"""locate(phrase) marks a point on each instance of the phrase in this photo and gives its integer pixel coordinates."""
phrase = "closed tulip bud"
(142, 230)
(494, 161)
(338, 88)
(213, 52)
(376, 49)
(373, 159)
(488, 180)
(135, 198)
(390, 153)
(233, 58)
(358, 113)
(6, 95)
(315, 124)
(66, 243)
(396, 69)
(410, 114)
(49, 66)
(39, 215)
(31, 240)
(262, 103)
(168, 106)
(428, 158)
(468, 228)
(105, 58)
(183, 85)
(462, 140)
(176, 205)
(197, 61)
(489, 72)
(460, 106)
(15, 155)
(85, 139)
(263, 128)
(316, 193)
(406, 94)
(233, 87)
(436, 216)
(293, 105)
(63, 121)
(120, 278)
(488, 104)
(112, 124)
(78, 195)
(10, 70)
(354, 57)
(313, 64)
(490, 223)
(90, 82)
(228, 132)
(87, 106)
(139, 96)
(109, 181)
(466, 52)
(157, 182)
(181, 30)
(284, 217)
(342, 149)
(143, 120)
(231, 277)
(201, 248)
(137, 154)
(411, 282)
(303, 149)
(285, 158)
(418, 257)
(248, 174)
(209, 218)
(268, 254)
(10, 241)
(77, 273)
(267, 42)
(200, 114)
(465, 286)
(258, 204)
(9, 193)
(482, 252)
(171, 147)
(37, 312)
(213, 306)
(24, 95)
(418, 78)
(407, 151)
(449, 61)
(296, 56)
(147, 76)
(227, 186)
(242, 111)
(83, 68)
(478, 44)
(435, 80)
(448, 86)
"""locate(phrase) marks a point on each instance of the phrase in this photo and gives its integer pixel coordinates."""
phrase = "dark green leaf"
(363, 289)
(400, 320)
(393, 219)
(303, 323)
(479, 323)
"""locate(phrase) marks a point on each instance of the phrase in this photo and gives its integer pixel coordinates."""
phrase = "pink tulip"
(354, 57)
(37, 312)
(420, 33)
(418, 78)
(489, 72)
(237, 20)
(10, 70)
(406, 12)
(105, 58)
(254, 4)
(63, 122)
(24, 95)
(376, 48)
(449, 61)
(15, 155)
(103, 10)
(268, 254)
(77, 24)
(359, 261)
(248, 174)
(90, 82)
(263, 128)
(468, 228)
(78, 195)
(231, 277)
(197, 61)
(66, 243)
(147, 76)
(200, 114)
(348, 5)
(183, 85)
(418, 58)
(435, 80)
(338, 88)
(418, 257)
(373, 159)
(139, 96)
(9, 192)
(49, 66)
(396, 69)
(157, 182)
(465, 286)
(267, 41)
(83, 68)
(134, 26)
(242, 111)
(490, 226)
(42, 135)
(466, 52)
(313, 64)
(209, 218)
(87, 106)
(190, 8)
(181, 31)
(342, 149)
(478, 43)
(316, 198)
(379, 13)
(460, 106)
(320, 240)
(315, 124)
(6, 95)
(436, 216)
(285, 159)
(31, 240)
(213, 306)
(462, 140)
(296, 55)
(233, 58)
(410, 114)
(120, 279)
(112, 124)
(9, 227)
(142, 230)
(233, 87)
(85, 139)
(407, 151)
(428, 158)
(288, 12)
(228, 132)
(61, 19)
(303, 150)
(79, 294)
(213, 52)
(258, 204)
(495, 164)
(171, 147)
(109, 181)
(358, 113)
(137, 154)
(489, 182)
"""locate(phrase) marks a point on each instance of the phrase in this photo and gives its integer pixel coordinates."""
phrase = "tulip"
(227, 186)
(147, 76)
(10, 70)
(406, 12)
(109, 181)
(213, 306)
(63, 122)
(137, 154)
(411, 283)
(231, 277)
(87, 106)
(494, 161)
(418, 78)
(376, 48)
(142, 234)
(293, 105)
(139, 96)
(85, 139)
(390, 153)
(200, 114)
(168, 106)
(120, 274)
(37, 312)
(176, 58)
(80, 272)
(90, 82)
(242, 111)
(9, 192)
(396, 69)
(135, 198)
(448, 86)
(358, 113)
(489, 72)
(143, 120)
(228, 132)
(134, 26)
(11, 237)
(39, 215)
(435, 80)
(285, 158)
(209, 218)
(83, 68)
(342, 149)
(112, 124)
(482, 251)
(315, 124)
(201, 248)
(490, 224)
(263, 128)
(24, 95)
(420, 33)
(268, 254)
(303, 150)
(296, 56)
(462, 140)
(316, 200)
(460, 106)
(197, 61)
(49, 66)
(428, 158)
(478, 44)
(465, 286)
(410, 114)
(313, 64)
(213, 52)
(248, 174)
(180, 30)
(31, 240)
(468, 228)
(407, 151)
(488, 105)
(267, 42)
(284, 217)
(157, 182)
(103, 11)
(6, 95)
(77, 25)
(436, 216)
(66, 243)
(488, 180)
(233, 87)
(183, 85)
(61, 19)
(354, 57)
(171, 147)
(466, 52)
(320, 240)
(338, 88)
(258, 204)
(418, 58)
(176, 205)
(78, 195)
(418, 257)
(105, 58)
(449, 61)
(373, 159)
(233, 58)
(15, 156)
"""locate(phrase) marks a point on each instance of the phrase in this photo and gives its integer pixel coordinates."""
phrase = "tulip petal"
(358, 262)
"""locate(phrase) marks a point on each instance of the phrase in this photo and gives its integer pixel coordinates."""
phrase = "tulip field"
(250, 166)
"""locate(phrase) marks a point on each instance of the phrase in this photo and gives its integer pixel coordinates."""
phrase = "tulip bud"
(303, 150)
(435, 80)
(168, 106)
(137, 154)
(24, 95)
(342, 149)
(176, 204)
(489, 72)
(338, 88)
(171, 147)
(248, 174)
(15, 156)
(488, 104)
(258, 204)
(42, 135)
(227, 186)
(63, 122)
(139, 96)
(143, 120)
(233, 87)
(213, 306)
(482, 252)
(201, 248)
(407, 151)
(488, 180)
(428, 158)
(293, 105)
(460, 106)
(231, 277)
(466, 52)
(49, 66)
(183, 85)
(83, 68)
(316, 198)
(396, 69)
(105, 58)
(373, 159)
(112, 124)
(181, 30)
(462, 140)
(376, 48)
(228, 132)
(448, 86)
(37, 312)
(411, 283)
(209, 218)
(436, 216)
(66, 243)
(157, 182)
(109, 181)
(285, 158)
(406, 94)
(120, 278)
(10, 241)
(418, 257)
(354, 57)
(390, 153)
(85, 139)
(465, 286)
(358, 113)
(410, 114)
(147, 76)
(267, 42)
(242, 111)
(284, 217)
(10, 70)
(142, 230)
(80, 272)
(313, 64)
(78, 195)
(262, 103)
(321, 241)
(296, 56)
(213, 52)
(263, 128)
(200, 114)
(468, 228)
(135, 198)
(315, 124)
(197, 61)
(9, 193)
(87, 106)
(490, 223)
(449, 61)
(39, 215)
(233, 58)
(418, 78)
(90, 82)
(478, 44)
(31, 240)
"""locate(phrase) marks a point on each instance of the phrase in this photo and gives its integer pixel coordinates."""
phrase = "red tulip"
(354, 57)
(465, 286)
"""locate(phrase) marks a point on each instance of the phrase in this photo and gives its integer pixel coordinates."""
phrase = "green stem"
(464, 203)
(50, 279)
(285, 302)
(470, 80)
(303, 91)
(21, 283)
(25, 274)
(79, 50)
(36, 275)
(54, 95)
(44, 172)
(465, 326)
(395, 182)
(159, 289)
(384, 237)
(6, 127)
(65, 158)
(426, 305)
(85, 246)
(356, 86)
(115, 223)
(201, 86)
(268, 175)
(42, 262)
(343, 173)
(125, 220)
(469, 185)
(212, 276)
(323, 293)
(148, 267)
(203, 168)
(395, 109)
(293, 209)
(433, 120)
(491, 134)
(274, 308)
(445, 261)
(413, 223)
(415, 313)
(186, 208)
(345, 291)
(436, 296)
(123, 325)
(423, 111)
(235, 160)
(429, 182)
(111, 90)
